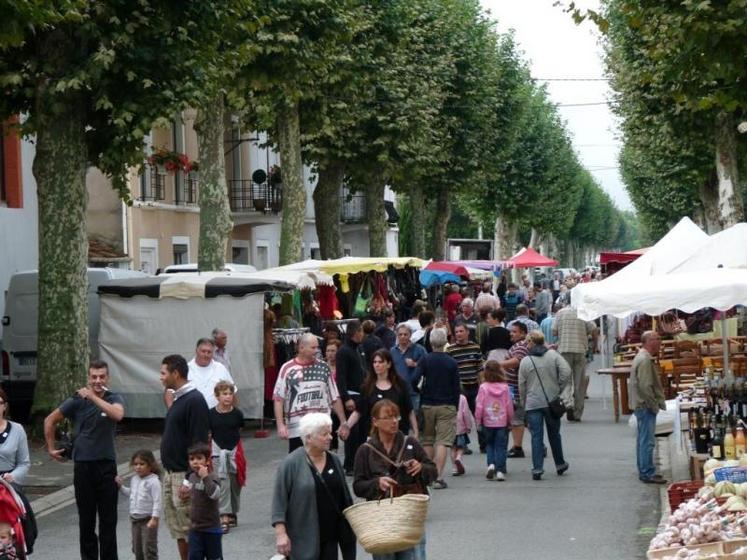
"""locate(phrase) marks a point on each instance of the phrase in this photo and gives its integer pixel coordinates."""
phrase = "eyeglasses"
(397, 418)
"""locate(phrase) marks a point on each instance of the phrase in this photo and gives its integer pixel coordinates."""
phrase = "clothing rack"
(341, 324)
(289, 336)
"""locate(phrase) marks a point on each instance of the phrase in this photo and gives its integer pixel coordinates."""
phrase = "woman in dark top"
(498, 336)
(392, 463)
(384, 383)
(309, 497)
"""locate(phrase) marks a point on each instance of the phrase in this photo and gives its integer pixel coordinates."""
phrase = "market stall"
(145, 319)
(529, 258)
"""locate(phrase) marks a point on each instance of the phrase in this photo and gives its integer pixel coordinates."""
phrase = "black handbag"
(556, 406)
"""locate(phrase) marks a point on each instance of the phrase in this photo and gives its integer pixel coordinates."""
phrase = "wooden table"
(619, 377)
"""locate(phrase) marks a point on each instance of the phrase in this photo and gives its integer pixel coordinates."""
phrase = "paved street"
(598, 510)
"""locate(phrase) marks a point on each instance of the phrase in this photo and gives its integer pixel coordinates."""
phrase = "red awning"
(446, 266)
(622, 258)
(529, 258)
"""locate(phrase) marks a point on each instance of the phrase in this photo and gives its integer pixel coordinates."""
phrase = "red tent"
(447, 266)
(529, 258)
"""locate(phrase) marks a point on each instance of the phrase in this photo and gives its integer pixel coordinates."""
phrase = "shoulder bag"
(557, 408)
(404, 486)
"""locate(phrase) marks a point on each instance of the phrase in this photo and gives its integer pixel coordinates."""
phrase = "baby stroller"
(16, 511)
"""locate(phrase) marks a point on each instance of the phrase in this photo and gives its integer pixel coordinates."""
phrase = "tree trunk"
(534, 239)
(215, 211)
(504, 240)
(570, 255)
(730, 206)
(440, 230)
(60, 171)
(376, 216)
(327, 210)
(417, 223)
(294, 193)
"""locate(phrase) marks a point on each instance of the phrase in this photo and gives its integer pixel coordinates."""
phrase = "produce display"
(702, 520)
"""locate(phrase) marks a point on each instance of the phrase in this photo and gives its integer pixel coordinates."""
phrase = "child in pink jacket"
(464, 424)
(494, 409)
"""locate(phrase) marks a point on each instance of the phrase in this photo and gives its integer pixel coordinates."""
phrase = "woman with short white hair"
(309, 496)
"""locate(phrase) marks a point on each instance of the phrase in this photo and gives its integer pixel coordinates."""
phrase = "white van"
(20, 331)
(193, 267)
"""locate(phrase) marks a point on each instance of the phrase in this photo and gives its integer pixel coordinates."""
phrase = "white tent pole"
(604, 348)
(725, 347)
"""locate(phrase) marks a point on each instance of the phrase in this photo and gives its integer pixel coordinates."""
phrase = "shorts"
(461, 441)
(439, 425)
(520, 414)
(175, 510)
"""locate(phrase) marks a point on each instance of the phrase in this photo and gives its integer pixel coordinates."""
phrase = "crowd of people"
(404, 407)
(402, 397)
(196, 488)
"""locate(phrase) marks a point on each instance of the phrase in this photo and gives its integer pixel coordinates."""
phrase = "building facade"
(161, 227)
(19, 238)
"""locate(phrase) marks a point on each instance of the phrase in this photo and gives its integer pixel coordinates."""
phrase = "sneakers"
(562, 468)
(500, 477)
(490, 474)
(458, 468)
(440, 485)
(536, 476)
(516, 453)
(655, 480)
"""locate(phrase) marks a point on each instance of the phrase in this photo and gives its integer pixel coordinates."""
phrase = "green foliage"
(674, 68)
(122, 64)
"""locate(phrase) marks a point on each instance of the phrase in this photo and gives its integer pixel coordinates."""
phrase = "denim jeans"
(496, 444)
(205, 545)
(415, 553)
(645, 443)
(537, 420)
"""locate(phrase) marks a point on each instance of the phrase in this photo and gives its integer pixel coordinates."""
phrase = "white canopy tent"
(685, 277)
(718, 288)
(592, 299)
(727, 249)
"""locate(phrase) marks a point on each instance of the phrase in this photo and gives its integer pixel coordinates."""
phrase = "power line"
(571, 79)
(597, 145)
(581, 104)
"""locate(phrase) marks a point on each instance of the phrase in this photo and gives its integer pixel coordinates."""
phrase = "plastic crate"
(736, 475)
(682, 491)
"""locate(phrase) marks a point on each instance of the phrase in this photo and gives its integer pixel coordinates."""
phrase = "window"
(181, 253)
(315, 253)
(263, 256)
(148, 255)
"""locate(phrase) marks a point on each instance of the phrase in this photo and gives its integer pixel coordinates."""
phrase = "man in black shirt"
(95, 412)
(350, 374)
(187, 422)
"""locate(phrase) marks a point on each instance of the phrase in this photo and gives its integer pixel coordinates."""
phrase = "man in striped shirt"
(468, 357)
(510, 366)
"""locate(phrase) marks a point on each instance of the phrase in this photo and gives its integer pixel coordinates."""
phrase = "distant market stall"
(442, 272)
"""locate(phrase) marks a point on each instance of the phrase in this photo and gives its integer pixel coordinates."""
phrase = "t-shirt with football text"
(304, 388)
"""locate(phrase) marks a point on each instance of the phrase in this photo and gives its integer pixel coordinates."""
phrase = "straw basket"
(389, 525)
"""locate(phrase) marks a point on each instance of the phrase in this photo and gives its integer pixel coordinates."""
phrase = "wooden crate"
(705, 549)
(729, 549)
(697, 460)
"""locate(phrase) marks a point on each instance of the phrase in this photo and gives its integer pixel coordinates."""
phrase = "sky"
(558, 49)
